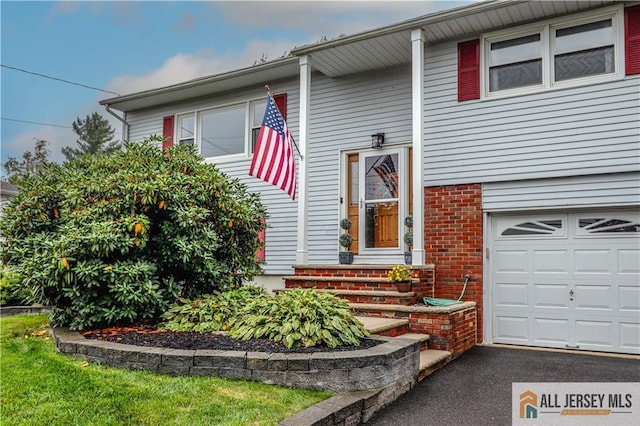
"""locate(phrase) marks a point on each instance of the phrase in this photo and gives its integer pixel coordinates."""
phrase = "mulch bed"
(148, 336)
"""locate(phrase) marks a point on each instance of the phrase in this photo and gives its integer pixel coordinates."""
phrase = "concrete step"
(391, 327)
(431, 360)
(420, 337)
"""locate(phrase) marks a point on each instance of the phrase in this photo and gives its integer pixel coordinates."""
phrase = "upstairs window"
(229, 132)
(561, 52)
(584, 50)
(515, 62)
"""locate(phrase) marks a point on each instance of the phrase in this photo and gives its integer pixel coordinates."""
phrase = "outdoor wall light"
(377, 140)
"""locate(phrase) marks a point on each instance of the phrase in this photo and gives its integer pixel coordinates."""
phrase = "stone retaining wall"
(395, 363)
(7, 311)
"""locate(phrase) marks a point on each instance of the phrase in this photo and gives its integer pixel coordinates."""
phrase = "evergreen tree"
(31, 161)
(95, 136)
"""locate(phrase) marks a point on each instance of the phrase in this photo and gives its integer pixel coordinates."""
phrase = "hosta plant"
(210, 312)
(299, 317)
(119, 237)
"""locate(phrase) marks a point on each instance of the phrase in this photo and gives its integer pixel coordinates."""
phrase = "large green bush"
(119, 237)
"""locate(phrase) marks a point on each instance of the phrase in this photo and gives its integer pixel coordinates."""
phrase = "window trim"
(197, 116)
(547, 38)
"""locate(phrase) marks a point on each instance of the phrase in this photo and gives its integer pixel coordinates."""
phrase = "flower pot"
(345, 257)
(403, 286)
(407, 258)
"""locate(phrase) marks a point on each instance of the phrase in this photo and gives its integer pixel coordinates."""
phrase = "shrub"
(299, 318)
(211, 312)
(119, 237)
(10, 293)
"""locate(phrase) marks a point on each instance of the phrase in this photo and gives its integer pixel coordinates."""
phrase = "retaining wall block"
(210, 358)
(277, 362)
(174, 370)
(257, 360)
(178, 357)
(203, 371)
(271, 377)
(322, 361)
(234, 373)
(298, 362)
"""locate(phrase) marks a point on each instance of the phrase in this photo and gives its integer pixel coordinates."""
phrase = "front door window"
(381, 189)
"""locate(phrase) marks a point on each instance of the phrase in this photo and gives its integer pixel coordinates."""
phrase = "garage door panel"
(511, 261)
(551, 261)
(595, 333)
(630, 336)
(595, 297)
(629, 262)
(512, 294)
(629, 300)
(594, 262)
(551, 295)
(511, 329)
(551, 331)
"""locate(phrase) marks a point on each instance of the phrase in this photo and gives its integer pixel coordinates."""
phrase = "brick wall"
(453, 241)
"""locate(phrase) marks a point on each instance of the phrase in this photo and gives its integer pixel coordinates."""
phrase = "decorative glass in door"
(379, 209)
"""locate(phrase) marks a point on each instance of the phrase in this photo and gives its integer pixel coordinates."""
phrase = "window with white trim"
(228, 131)
(559, 52)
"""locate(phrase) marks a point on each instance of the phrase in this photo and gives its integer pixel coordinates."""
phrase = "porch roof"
(370, 50)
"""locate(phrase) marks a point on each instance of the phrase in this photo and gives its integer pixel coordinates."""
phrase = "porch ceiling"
(389, 46)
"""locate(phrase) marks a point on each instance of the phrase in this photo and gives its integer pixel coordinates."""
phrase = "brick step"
(432, 360)
(390, 327)
(342, 283)
(391, 296)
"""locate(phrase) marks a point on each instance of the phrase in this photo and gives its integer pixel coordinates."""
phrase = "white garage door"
(567, 280)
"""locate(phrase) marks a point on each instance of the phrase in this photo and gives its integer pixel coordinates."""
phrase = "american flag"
(273, 159)
(386, 170)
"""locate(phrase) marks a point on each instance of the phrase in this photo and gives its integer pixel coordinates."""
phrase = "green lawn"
(41, 387)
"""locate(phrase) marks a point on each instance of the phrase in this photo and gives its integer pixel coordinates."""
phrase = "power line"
(60, 79)
(35, 122)
(42, 124)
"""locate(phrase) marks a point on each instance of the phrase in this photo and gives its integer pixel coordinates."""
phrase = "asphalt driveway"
(475, 389)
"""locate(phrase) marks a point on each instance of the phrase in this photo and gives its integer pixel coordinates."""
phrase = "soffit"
(389, 46)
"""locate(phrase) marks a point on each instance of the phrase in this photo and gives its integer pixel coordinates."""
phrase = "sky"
(130, 46)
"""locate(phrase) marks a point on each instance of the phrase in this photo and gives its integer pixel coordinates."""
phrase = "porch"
(444, 332)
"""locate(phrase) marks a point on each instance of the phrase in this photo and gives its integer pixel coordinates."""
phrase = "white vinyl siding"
(574, 131)
(345, 112)
(282, 230)
(580, 191)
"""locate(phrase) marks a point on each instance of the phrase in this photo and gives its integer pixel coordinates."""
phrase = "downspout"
(123, 120)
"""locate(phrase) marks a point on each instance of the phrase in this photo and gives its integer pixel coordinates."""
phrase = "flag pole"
(266, 86)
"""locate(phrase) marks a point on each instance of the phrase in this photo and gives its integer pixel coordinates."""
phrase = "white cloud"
(183, 67)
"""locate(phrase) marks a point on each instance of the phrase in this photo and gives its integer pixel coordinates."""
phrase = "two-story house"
(511, 135)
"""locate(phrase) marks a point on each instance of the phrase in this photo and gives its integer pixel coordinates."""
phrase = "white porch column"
(302, 252)
(417, 96)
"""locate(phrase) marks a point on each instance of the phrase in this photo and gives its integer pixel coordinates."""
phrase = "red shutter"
(260, 254)
(167, 131)
(632, 39)
(281, 103)
(469, 70)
